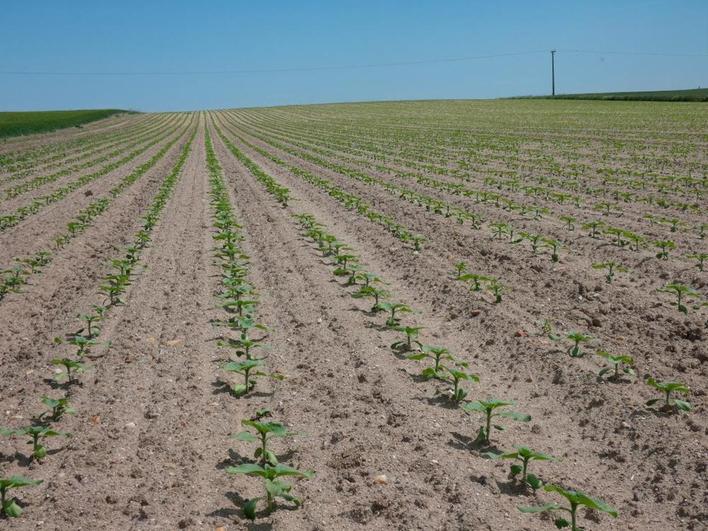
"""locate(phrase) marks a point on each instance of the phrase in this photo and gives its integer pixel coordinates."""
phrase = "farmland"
(379, 288)
(24, 123)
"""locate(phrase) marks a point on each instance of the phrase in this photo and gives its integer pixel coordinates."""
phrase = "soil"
(151, 437)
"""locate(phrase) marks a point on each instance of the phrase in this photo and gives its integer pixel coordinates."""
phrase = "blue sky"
(216, 35)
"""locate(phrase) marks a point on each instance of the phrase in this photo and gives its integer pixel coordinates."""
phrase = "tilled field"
(149, 265)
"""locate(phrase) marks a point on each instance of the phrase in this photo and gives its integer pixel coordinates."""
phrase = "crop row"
(90, 147)
(120, 148)
(243, 339)
(69, 367)
(12, 279)
(10, 220)
(500, 230)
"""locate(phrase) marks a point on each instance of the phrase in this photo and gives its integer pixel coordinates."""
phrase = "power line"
(271, 70)
(333, 67)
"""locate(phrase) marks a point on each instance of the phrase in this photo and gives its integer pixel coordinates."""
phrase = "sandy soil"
(151, 439)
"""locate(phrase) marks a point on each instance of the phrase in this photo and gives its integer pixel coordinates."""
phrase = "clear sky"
(199, 39)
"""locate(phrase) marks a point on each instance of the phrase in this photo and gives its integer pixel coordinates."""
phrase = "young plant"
(437, 354)
(577, 339)
(9, 506)
(497, 289)
(406, 345)
(58, 408)
(392, 308)
(456, 377)
(249, 369)
(667, 388)
(460, 268)
(621, 363)
(274, 486)
(71, 368)
(682, 292)
(700, 258)
(489, 409)
(525, 455)
(575, 499)
(265, 431)
(664, 247)
(610, 268)
(37, 434)
(569, 222)
(475, 280)
(553, 245)
(370, 291)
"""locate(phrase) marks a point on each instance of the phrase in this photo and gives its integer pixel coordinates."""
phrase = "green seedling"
(354, 270)
(700, 258)
(664, 247)
(241, 346)
(82, 344)
(38, 434)
(343, 261)
(577, 339)
(437, 354)
(475, 280)
(682, 292)
(58, 408)
(499, 229)
(621, 363)
(265, 431)
(575, 499)
(369, 291)
(569, 222)
(9, 506)
(368, 278)
(594, 227)
(456, 377)
(406, 345)
(553, 245)
(92, 328)
(547, 330)
(667, 388)
(610, 268)
(489, 409)
(249, 369)
(71, 368)
(525, 455)
(392, 308)
(460, 268)
(534, 239)
(274, 486)
(497, 289)
(418, 241)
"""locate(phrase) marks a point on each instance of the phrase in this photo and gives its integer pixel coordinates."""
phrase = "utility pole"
(553, 72)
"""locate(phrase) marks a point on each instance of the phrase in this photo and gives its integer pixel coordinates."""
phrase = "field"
(24, 123)
(699, 94)
(373, 275)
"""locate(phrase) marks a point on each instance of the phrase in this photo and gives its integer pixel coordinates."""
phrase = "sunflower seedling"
(610, 268)
(664, 247)
(475, 280)
(700, 258)
(621, 363)
(37, 434)
(575, 499)
(682, 292)
(71, 368)
(249, 369)
(369, 291)
(497, 289)
(9, 506)
(460, 268)
(265, 431)
(58, 408)
(437, 354)
(456, 377)
(525, 455)
(577, 339)
(667, 388)
(274, 486)
(489, 409)
(406, 345)
(392, 308)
